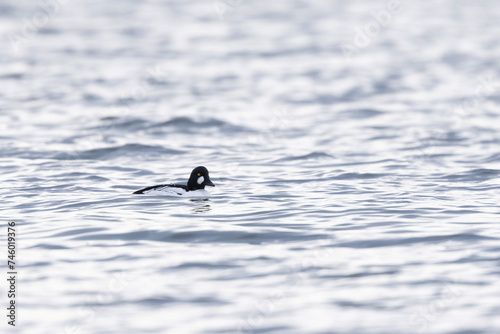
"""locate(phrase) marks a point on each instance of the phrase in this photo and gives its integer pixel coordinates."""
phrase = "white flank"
(179, 192)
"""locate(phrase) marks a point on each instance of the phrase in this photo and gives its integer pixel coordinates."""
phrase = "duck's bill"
(209, 183)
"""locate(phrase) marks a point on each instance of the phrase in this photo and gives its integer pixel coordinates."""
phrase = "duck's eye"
(199, 174)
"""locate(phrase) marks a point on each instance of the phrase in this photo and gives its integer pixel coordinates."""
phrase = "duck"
(195, 186)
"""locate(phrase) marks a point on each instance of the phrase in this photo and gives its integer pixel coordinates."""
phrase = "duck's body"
(194, 188)
(173, 190)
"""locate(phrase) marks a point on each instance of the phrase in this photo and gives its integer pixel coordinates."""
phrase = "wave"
(117, 151)
(360, 113)
(187, 123)
(475, 175)
(410, 241)
(206, 236)
(310, 156)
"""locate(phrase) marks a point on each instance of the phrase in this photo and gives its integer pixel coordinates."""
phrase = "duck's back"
(178, 189)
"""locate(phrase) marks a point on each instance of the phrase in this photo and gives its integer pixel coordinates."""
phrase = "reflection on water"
(201, 206)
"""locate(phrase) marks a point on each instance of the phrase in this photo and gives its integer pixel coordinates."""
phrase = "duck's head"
(199, 179)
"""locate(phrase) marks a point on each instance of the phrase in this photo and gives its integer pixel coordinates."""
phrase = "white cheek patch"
(200, 180)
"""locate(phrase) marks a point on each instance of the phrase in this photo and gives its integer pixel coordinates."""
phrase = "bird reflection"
(201, 207)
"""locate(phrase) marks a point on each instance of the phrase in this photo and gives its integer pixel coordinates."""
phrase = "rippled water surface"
(356, 171)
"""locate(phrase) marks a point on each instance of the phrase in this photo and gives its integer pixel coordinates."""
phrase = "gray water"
(357, 173)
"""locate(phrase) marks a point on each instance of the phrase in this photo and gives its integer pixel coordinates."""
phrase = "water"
(356, 191)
